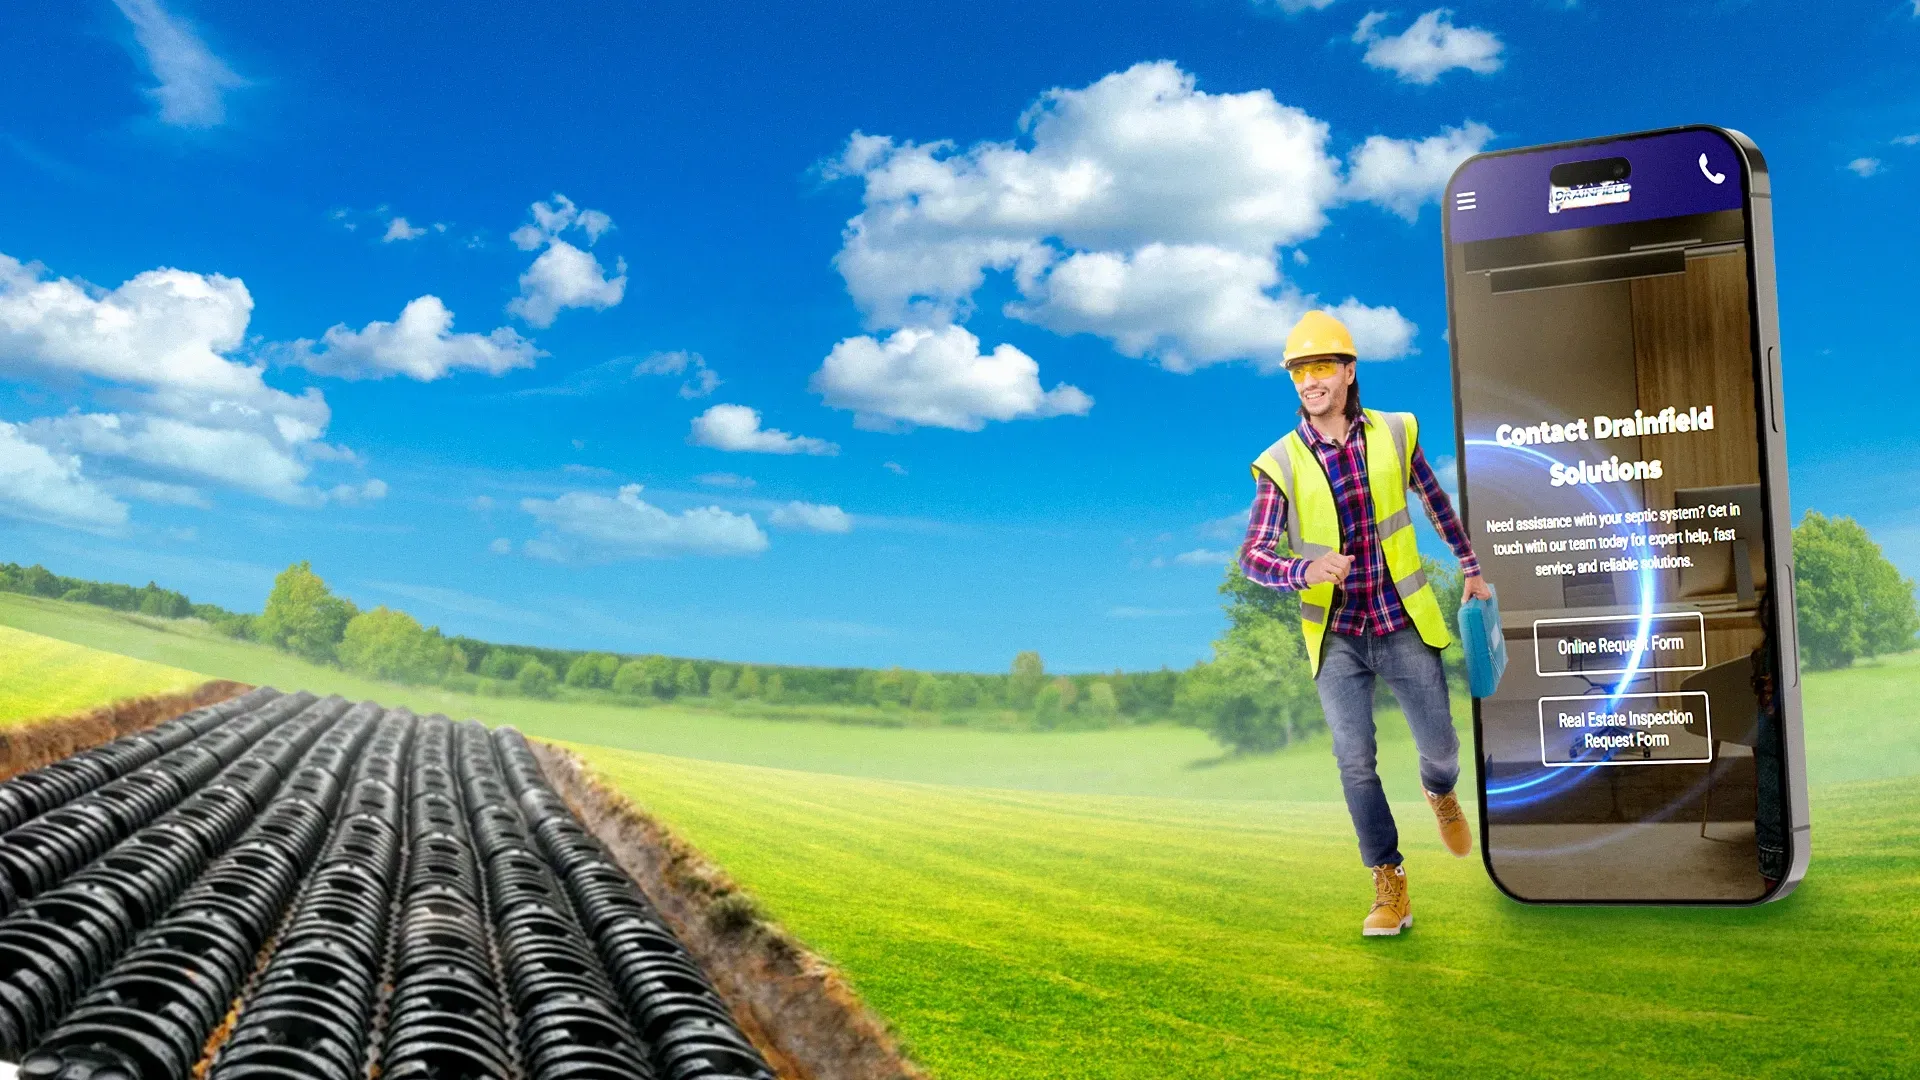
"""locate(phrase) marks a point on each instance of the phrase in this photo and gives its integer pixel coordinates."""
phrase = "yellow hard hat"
(1319, 334)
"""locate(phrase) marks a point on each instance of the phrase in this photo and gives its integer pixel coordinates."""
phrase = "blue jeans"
(1411, 669)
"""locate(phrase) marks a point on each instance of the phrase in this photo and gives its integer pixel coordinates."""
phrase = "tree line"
(1254, 694)
(303, 616)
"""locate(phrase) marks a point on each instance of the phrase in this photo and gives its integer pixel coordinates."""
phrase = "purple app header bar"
(1508, 194)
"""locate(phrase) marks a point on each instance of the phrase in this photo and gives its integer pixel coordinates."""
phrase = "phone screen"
(1613, 423)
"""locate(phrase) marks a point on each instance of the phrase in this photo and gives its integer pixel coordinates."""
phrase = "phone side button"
(1790, 656)
(1773, 384)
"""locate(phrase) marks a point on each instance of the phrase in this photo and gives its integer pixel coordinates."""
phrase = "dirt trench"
(45, 740)
(795, 1007)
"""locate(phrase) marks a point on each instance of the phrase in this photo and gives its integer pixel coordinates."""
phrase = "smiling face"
(1322, 383)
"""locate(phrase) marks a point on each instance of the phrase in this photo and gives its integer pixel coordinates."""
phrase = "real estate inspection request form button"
(1626, 729)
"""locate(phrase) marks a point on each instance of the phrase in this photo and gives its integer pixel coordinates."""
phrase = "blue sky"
(861, 334)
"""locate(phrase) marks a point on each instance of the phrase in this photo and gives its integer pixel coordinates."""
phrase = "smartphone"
(1622, 459)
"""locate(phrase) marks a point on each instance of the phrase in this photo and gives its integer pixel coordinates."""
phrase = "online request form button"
(1615, 644)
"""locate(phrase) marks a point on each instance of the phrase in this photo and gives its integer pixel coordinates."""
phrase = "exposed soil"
(797, 1009)
(33, 743)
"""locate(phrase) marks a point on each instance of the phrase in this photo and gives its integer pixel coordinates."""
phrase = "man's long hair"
(1353, 402)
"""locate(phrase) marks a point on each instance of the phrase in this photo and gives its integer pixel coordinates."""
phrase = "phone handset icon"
(1718, 178)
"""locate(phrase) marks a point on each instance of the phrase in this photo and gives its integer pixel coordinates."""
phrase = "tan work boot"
(1453, 823)
(1392, 909)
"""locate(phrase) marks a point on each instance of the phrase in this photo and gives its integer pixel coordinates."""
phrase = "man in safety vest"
(1336, 488)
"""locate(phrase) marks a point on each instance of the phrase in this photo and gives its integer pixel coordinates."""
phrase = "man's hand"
(1475, 588)
(1330, 568)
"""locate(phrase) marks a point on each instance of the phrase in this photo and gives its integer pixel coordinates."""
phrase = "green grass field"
(40, 676)
(1013, 935)
(1137, 911)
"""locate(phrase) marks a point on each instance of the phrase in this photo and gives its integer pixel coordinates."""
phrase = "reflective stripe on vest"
(1313, 522)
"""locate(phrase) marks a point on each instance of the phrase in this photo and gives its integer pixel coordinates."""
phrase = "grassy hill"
(1040, 936)
(1078, 929)
(41, 676)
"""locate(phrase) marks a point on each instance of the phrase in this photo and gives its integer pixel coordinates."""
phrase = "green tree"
(720, 680)
(748, 684)
(503, 663)
(659, 676)
(1852, 602)
(894, 686)
(631, 679)
(1257, 692)
(535, 679)
(388, 644)
(1029, 675)
(930, 694)
(303, 616)
(1101, 702)
(1448, 588)
(686, 680)
(37, 580)
(593, 670)
(1048, 708)
(775, 689)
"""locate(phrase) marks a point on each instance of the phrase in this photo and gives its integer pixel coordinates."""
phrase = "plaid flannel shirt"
(1367, 603)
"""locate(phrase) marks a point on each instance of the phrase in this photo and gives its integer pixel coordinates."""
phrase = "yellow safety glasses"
(1316, 369)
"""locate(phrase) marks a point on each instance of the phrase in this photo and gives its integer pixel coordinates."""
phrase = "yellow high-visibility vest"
(1313, 522)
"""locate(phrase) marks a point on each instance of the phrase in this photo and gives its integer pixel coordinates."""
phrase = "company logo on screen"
(1574, 184)
(1600, 194)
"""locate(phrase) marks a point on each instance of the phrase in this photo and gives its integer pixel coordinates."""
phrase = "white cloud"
(156, 491)
(593, 526)
(420, 344)
(1446, 469)
(501, 546)
(163, 329)
(352, 495)
(1231, 527)
(398, 229)
(1864, 167)
(250, 460)
(701, 379)
(1202, 557)
(1295, 7)
(182, 410)
(481, 504)
(1429, 48)
(1112, 194)
(1909, 140)
(1195, 305)
(812, 517)
(192, 81)
(938, 378)
(38, 485)
(566, 277)
(1404, 174)
(737, 428)
(725, 480)
(559, 216)
(894, 467)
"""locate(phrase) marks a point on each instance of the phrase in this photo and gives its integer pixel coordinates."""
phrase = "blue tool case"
(1484, 644)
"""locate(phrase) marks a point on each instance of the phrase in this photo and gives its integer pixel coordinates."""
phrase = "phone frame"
(1764, 337)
